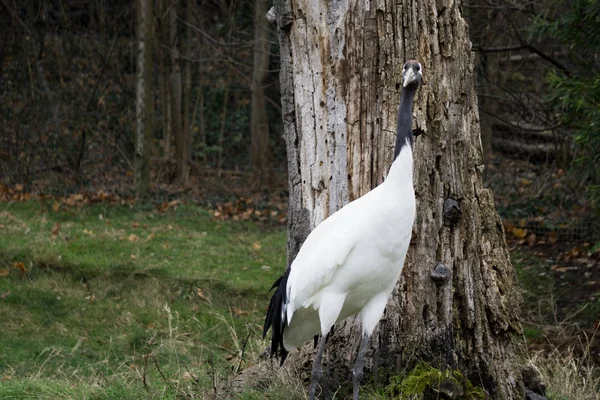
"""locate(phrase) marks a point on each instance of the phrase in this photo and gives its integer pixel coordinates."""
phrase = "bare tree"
(144, 97)
(456, 305)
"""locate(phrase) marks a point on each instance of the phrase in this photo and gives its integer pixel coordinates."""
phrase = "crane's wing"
(324, 251)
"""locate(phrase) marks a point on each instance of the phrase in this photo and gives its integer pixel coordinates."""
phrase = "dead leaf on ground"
(256, 246)
(133, 238)
(239, 312)
(552, 237)
(56, 229)
(200, 294)
(519, 232)
(3, 272)
(21, 266)
(4, 295)
(532, 240)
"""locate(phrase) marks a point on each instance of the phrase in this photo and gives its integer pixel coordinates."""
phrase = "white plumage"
(352, 260)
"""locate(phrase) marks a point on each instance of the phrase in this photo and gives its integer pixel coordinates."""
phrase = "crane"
(350, 262)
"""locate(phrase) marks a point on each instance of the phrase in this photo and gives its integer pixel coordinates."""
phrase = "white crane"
(351, 261)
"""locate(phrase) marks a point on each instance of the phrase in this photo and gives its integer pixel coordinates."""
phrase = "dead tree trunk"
(144, 97)
(340, 77)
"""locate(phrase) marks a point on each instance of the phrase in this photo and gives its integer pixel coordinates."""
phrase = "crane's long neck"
(401, 171)
(404, 136)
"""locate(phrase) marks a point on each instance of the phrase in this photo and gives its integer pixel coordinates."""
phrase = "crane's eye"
(418, 67)
(405, 67)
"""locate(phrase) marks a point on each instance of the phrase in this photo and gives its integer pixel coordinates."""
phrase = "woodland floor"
(147, 256)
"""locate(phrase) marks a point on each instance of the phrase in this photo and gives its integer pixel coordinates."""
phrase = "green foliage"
(576, 91)
(424, 377)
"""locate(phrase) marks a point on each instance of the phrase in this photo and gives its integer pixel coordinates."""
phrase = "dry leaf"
(200, 294)
(256, 246)
(552, 237)
(133, 238)
(3, 272)
(519, 232)
(4, 295)
(531, 240)
(133, 257)
(135, 224)
(189, 376)
(265, 267)
(56, 229)
(239, 312)
(21, 266)
(229, 357)
(56, 206)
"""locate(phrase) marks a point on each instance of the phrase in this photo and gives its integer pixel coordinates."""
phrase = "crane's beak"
(409, 77)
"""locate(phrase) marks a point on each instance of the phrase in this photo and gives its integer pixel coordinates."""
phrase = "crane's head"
(411, 74)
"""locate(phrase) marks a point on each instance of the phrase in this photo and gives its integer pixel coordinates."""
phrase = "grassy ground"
(120, 302)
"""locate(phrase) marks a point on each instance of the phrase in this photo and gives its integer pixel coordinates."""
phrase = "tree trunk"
(144, 98)
(187, 91)
(260, 149)
(163, 42)
(181, 158)
(340, 78)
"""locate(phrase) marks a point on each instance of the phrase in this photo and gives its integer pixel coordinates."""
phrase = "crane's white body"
(350, 262)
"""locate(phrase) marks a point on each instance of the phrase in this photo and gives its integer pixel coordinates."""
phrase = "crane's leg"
(317, 369)
(357, 371)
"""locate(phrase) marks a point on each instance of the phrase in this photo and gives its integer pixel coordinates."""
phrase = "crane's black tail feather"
(277, 316)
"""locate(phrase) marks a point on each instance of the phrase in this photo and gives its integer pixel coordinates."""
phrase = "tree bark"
(340, 78)
(260, 148)
(181, 155)
(144, 97)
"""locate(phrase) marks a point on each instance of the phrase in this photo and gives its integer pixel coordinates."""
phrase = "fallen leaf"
(189, 376)
(133, 238)
(200, 294)
(229, 357)
(3, 272)
(4, 295)
(56, 206)
(519, 232)
(256, 246)
(135, 224)
(552, 237)
(56, 229)
(133, 257)
(21, 266)
(531, 240)
(239, 312)
(265, 267)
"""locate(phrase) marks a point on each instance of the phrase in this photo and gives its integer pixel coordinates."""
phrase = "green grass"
(125, 302)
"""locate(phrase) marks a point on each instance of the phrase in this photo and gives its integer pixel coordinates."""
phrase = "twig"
(213, 373)
(243, 351)
(161, 374)
(144, 373)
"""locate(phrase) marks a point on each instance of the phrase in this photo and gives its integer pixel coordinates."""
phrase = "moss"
(424, 378)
